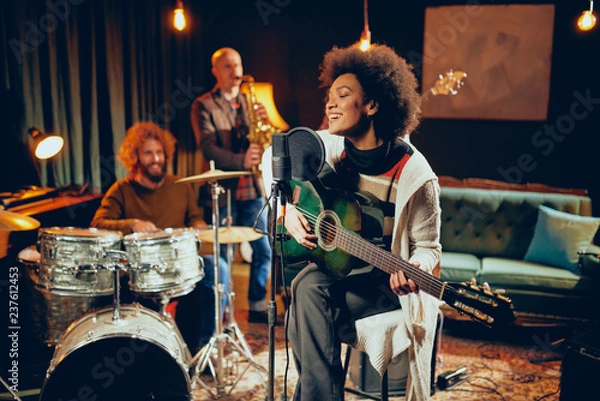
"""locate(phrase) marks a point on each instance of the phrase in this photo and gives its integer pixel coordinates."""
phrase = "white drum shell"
(98, 345)
(164, 263)
(73, 260)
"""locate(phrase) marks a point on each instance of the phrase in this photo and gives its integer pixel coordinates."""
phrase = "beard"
(155, 177)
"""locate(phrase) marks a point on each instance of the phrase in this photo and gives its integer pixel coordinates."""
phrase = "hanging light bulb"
(365, 36)
(587, 19)
(179, 18)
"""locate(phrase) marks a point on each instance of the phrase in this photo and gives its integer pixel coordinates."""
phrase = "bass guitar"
(335, 217)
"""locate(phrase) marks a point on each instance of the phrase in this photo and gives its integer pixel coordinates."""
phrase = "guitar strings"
(362, 246)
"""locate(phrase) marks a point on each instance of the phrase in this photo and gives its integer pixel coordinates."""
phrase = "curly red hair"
(136, 135)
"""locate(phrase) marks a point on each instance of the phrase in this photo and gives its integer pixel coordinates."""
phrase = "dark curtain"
(87, 70)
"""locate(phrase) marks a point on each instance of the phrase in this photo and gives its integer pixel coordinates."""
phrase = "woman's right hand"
(299, 228)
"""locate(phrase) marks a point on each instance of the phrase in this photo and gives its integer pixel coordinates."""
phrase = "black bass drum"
(140, 356)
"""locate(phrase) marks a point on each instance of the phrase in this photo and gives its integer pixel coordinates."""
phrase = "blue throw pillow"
(558, 236)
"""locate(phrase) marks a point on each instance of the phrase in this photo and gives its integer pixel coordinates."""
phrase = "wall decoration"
(506, 52)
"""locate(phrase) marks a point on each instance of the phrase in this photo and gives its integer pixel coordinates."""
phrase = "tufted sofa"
(487, 227)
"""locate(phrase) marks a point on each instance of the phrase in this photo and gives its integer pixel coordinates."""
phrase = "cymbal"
(230, 235)
(10, 221)
(213, 175)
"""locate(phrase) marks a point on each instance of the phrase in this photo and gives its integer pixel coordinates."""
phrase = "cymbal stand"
(222, 338)
(231, 325)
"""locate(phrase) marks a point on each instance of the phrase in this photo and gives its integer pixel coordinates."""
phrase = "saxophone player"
(220, 120)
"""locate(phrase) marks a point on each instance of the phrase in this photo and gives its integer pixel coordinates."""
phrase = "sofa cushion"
(509, 273)
(497, 223)
(458, 267)
(558, 236)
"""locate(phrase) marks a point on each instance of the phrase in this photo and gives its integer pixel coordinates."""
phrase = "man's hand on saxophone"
(261, 111)
(253, 156)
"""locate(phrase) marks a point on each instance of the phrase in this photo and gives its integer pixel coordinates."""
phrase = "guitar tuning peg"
(440, 76)
(487, 287)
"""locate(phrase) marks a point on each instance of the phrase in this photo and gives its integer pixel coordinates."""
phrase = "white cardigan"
(380, 336)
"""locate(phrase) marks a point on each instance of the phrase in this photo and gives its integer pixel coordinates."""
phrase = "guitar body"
(315, 198)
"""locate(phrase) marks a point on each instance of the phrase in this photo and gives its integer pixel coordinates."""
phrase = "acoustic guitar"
(335, 217)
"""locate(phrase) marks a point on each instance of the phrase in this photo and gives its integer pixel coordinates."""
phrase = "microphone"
(307, 153)
(281, 161)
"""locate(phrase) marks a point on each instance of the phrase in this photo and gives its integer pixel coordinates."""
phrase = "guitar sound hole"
(328, 231)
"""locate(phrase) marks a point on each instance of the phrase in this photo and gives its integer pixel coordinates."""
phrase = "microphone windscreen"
(307, 153)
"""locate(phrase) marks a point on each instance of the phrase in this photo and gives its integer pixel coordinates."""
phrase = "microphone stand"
(275, 197)
(282, 173)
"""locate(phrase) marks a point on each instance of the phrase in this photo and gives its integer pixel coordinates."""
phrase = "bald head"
(222, 52)
(227, 69)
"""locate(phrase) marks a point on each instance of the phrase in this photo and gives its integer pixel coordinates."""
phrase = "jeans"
(244, 213)
(195, 312)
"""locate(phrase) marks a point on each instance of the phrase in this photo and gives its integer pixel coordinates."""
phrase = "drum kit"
(129, 351)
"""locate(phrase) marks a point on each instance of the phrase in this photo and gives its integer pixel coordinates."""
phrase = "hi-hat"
(230, 235)
(10, 221)
(213, 175)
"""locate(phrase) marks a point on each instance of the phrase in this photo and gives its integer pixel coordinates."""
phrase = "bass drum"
(140, 356)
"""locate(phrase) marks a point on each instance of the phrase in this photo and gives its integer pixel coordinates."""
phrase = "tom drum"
(73, 260)
(164, 263)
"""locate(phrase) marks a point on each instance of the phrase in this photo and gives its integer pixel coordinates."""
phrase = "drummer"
(148, 200)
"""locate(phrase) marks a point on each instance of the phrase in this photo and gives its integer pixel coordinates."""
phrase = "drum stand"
(225, 372)
(14, 395)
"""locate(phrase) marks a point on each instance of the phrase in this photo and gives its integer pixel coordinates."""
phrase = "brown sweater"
(169, 206)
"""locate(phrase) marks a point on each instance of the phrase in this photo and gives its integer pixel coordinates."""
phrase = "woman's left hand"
(401, 285)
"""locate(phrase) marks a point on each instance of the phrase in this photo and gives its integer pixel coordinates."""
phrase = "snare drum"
(140, 356)
(73, 260)
(164, 263)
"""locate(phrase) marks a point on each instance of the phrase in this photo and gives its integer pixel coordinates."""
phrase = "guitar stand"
(224, 367)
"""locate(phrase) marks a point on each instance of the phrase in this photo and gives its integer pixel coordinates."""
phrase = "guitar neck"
(389, 263)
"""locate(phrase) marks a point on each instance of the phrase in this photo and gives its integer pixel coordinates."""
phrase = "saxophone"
(259, 131)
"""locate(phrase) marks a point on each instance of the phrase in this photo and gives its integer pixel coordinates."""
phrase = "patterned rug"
(521, 365)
